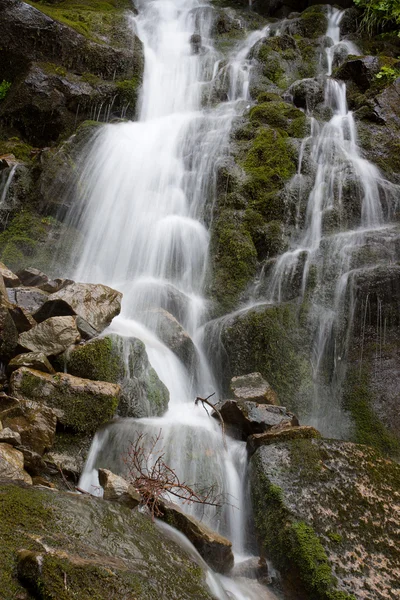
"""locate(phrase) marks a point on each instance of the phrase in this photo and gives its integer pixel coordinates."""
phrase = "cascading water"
(336, 226)
(143, 192)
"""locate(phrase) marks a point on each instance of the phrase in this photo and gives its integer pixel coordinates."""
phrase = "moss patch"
(98, 360)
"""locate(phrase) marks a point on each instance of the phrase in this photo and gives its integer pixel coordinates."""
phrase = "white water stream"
(144, 188)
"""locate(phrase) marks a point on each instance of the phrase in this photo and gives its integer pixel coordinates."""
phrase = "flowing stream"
(144, 190)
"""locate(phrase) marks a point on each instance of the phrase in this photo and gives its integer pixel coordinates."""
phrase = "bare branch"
(205, 401)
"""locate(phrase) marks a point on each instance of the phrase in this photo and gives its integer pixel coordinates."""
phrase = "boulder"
(32, 277)
(171, 332)
(28, 298)
(23, 321)
(253, 387)
(97, 549)
(117, 489)
(10, 279)
(8, 332)
(97, 304)
(124, 361)
(51, 337)
(71, 467)
(33, 422)
(54, 285)
(325, 515)
(12, 464)
(7, 436)
(307, 93)
(279, 434)
(80, 404)
(361, 71)
(386, 105)
(246, 418)
(32, 360)
(215, 549)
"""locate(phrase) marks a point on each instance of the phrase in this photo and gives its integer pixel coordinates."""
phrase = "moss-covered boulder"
(87, 548)
(324, 515)
(81, 404)
(123, 361)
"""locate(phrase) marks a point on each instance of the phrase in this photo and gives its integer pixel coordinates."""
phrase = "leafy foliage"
(4, 87)
(388, 74)
(380, 15)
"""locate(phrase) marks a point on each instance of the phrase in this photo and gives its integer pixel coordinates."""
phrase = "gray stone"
(32, 277)
(7, 436)
(32, 360)
(97, 304)
(253, 387)
(117, 489)
(28, 298)
(52, 336)
(171, 332)
(10, 279)
(307, 93)
(281, 433)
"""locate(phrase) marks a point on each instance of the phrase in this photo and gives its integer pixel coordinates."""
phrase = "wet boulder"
(51, 337)
(32, 277)
(10, 279)
(34, 422)
(324, 515)
(12, 464)
(8, 436)
(8, 332)
(32, 360)
(117, 489)
(171, 332)
(80, 404)
(27, 298)
(215, 549)
(123, 361)
(97, 304)
(253, 387)
(387, 105)
(377, 295)
(361, 71)
(101, 549)
(245, 418)
(307, 93)
(281, 433)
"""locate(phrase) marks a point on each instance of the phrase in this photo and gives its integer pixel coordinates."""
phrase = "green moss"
(369, 429)
(157, 393)
(21, 150)
(268, 97)
(276, 114)
(128, 90)
(299, 128)
(4, 87)
(313, 22)
(234, 258)
(98, 360)
(293, 545)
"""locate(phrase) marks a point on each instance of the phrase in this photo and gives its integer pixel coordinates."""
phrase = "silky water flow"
(144, 191)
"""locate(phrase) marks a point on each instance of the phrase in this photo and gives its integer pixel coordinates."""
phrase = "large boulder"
(32, 277)
(34, 422)
(324, 513)
(253, 387)
(246, 418)
(81, 404)
(28, 298)
(12, 464)
(8, 332)
(32, 360)
(215, 549)
(74, 546)
(10, 278)
(97, 304)
(51, 337)
(361, 71)
(281, 433)
(124, 361)
(171, 332)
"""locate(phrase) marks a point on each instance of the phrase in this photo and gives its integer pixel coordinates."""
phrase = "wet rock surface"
(324, 512)
(253, 387)
(51, 337)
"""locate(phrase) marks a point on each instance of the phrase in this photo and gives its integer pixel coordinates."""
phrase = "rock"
(279, 434)
(33, 462)
(8, 333)
(386, 105)
(71, 467)
(252, 568)
(10, 279)
(97, 304)
(34, 423)
(195, 42)
(253, 387)
(215, 549)
(43, 482)
(54, 285)
(22, 319)
(32, 277)
(100, 549)
(307, 93)
(87, 331)
(32, 360)
(360, 70)
(28, 298)
(124, 361)
(171, 332)
(7, 436)
(51, 337)
(324, 514)
(376, 295)
(118, 489)
(81, 404)
(247, 418)
(12, 464)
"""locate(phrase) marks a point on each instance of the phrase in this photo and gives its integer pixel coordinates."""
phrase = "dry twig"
(205, 401)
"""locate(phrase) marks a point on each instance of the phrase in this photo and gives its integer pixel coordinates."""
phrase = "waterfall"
(351, 192)
(143, 195)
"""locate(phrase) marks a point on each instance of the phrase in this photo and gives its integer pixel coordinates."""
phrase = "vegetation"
(380, 15)
(4, 87)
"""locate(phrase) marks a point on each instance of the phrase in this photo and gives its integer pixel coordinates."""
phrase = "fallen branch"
(215, 409)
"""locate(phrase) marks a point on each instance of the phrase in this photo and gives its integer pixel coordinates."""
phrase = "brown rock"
(12, 464)
(51, 337)
(118, 489)
(37, 480)
(10, 279)
(253, 387)
(31, 360)
(215, 549)
(8, 332)
(32, 277)
(28, 298)
(34, 422)
(275, 436)
(7, 436)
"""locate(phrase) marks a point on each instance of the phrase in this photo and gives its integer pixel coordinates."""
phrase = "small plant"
(380, 15)
(388, 74)
(4, 87)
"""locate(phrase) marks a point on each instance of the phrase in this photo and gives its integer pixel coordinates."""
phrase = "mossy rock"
(276, 114)
(313, 22)
(322, 511)
(98, 550)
